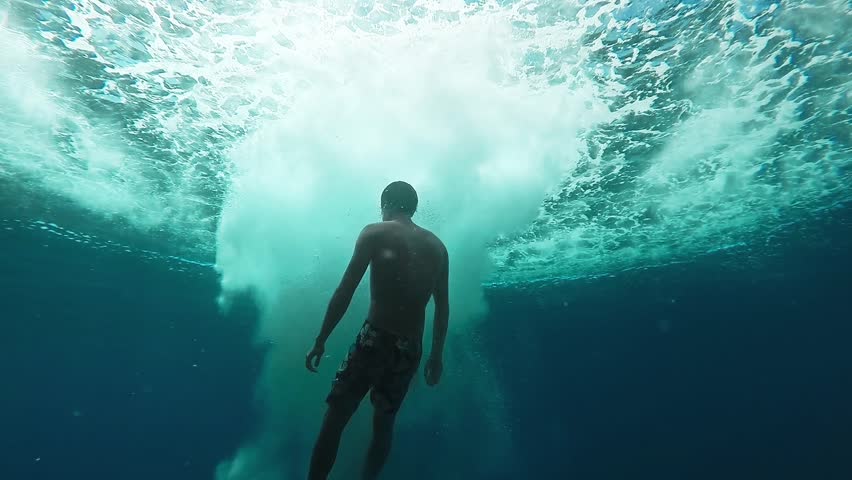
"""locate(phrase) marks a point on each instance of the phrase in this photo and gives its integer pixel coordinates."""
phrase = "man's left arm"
(343, 295)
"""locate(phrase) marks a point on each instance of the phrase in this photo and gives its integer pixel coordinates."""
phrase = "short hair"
(399, 197)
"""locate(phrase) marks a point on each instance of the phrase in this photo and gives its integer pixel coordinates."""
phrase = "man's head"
(399, 198)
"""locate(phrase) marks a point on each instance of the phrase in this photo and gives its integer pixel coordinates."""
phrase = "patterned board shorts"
(380, 361)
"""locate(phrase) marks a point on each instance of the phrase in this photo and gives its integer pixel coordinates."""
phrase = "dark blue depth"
(730, 367)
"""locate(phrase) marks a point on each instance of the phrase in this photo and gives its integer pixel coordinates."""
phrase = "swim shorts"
(378, 360)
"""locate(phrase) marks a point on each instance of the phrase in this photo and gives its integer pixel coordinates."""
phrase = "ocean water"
(646, 204)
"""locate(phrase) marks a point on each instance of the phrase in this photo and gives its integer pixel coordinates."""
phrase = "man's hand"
(312, 359)
(433, 370)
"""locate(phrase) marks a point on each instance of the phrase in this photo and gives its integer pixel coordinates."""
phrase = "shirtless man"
(409, 265)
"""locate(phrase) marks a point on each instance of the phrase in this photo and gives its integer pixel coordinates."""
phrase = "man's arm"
(348, 284)
(442, 309)
(435, 365)
(343, 295)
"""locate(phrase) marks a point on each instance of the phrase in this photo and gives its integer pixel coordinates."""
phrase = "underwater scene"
(646, 206)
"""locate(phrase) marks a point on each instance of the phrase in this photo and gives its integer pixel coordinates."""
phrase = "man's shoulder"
(371, 227)
(434, 240)
(372, 230)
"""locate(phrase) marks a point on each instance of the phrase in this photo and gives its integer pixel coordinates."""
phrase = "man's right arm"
(442, 308)
(435, 364)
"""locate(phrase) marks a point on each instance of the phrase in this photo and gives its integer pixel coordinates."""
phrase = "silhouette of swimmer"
(409, 265)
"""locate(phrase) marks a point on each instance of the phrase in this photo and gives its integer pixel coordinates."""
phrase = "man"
(409, 265)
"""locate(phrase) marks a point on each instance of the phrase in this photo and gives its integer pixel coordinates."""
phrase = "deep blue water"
(729, 366)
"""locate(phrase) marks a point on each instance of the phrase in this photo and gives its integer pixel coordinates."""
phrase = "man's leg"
(387, 397)
(325, 450)
(381, 444)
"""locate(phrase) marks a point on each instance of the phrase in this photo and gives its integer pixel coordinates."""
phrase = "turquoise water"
(549, 141)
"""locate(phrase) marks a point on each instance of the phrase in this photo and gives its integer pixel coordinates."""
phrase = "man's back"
(404, 269)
